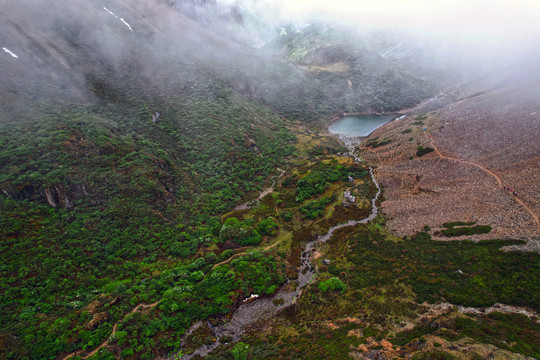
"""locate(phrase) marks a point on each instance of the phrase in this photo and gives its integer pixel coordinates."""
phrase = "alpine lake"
(359, 125)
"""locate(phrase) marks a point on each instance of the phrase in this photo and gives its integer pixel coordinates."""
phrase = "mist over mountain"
(164, 163)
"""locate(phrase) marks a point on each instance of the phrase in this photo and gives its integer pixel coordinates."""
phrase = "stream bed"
(264, 308)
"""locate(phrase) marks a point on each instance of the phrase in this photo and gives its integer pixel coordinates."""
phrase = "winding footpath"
(487, 171)
(244, 253)
(93, 352)
(249, 204)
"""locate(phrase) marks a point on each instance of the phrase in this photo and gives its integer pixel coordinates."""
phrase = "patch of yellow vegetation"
(283, 240)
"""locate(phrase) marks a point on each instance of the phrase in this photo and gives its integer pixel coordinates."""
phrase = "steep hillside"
(483, 140)
(342, 75)
(158, 173)
(117, 154)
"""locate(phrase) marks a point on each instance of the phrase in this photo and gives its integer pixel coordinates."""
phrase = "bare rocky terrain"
(484, 138)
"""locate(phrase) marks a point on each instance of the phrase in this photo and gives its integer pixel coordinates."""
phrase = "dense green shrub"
(241, 232)
(315, 209)
(332, 284)
(461, 272)
(457, 223)
(375, 143)
(267, 226)
(240, 351)
(317, 180)
(421, 151)
(458, 231)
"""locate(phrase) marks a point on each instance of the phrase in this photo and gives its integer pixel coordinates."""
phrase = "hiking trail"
(487, 171)
(93, 352)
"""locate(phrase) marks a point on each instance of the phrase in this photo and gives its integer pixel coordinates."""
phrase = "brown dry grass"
(482, 144)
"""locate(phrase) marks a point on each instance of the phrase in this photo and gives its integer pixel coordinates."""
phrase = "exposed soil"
(481, 144)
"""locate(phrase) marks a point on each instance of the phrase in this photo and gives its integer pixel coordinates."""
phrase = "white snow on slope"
(10, 52)
(125, 22)
(110, 12)
(119, 18)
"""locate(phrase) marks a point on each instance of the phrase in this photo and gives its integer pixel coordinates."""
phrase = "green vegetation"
(382, 280)
(240, 351)
(240, 232)
(421, 151)
(375, 143)
(103, 210)
(315, 209)
(144, 224)
(458, 231)
(513, 332)
(457, 223)
(431, 268)
(332, 284)
(458, 228)
(407, 131)
(136, 214)
(419, 120)
(317, 181)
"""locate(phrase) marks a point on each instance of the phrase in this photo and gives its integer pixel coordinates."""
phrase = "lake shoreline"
(360, 126)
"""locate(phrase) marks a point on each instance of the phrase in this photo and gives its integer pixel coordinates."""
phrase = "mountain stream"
(264, 308)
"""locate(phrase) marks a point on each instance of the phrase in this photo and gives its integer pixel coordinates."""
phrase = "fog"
(486, 33)
(59, 43)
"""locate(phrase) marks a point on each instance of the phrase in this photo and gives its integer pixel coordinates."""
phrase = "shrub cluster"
(458, 231)
(421, 151)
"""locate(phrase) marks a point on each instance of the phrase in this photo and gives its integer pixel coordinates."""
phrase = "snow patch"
(118, 18)
(125, 22)
(10, 52)
(110, 12)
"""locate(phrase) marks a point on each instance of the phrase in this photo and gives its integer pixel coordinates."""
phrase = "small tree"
(240, 351)
(332, 284)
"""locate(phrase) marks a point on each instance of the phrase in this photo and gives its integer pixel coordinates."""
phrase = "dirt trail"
(93, 352)
(487, 171)
(148, 306)
(244, 253)
(265, 308)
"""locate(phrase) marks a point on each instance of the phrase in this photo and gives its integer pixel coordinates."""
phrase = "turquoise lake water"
(361, 125)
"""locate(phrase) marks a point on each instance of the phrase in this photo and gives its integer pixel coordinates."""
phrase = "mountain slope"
(127, 131)
(484, 141)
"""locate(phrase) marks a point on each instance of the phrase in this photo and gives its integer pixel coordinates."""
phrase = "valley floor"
(398, 293)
